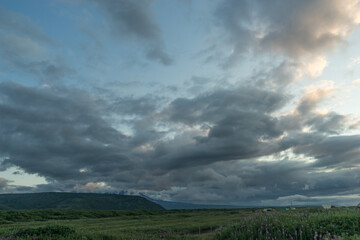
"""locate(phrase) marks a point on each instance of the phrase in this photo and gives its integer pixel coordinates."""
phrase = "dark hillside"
(54, 200)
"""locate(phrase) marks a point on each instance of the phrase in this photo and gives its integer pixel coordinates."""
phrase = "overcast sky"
(247, 102)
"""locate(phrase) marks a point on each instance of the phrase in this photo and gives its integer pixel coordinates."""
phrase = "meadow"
(303, 223)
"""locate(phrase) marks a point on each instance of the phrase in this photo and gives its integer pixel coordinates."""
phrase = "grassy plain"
(179, 224)
(126, 224)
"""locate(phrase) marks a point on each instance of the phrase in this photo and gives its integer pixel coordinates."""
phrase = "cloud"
(345, 200)
(307, 118)
(314, 68)
(206, 106)
(47, 71)
(21, 40)
(355, 83)
(26, 48)
(354, 62)
(280, 76)
(219, 142)
(329, 123)
(293, 28)
(297, 197)
(12, 22)
(333, 152)
(64, 131)
(134, 19)
(3, 184)
(231, 124)
(90, 187)
(223, 146)
(250, 182)
(313, 97)
(6, 186)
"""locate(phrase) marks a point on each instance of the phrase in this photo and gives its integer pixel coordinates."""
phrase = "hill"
(169, 205)
(57, 200)
(180, 205)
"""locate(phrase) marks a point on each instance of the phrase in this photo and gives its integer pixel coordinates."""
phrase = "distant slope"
(180, 205)
(54, 200)
(168, 205)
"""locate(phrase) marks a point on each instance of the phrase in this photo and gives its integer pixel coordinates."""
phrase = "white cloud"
(295, 29)
(354, 62)
(90, 186)
(315, 66)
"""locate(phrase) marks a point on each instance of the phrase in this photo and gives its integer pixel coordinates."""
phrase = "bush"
(51, 230)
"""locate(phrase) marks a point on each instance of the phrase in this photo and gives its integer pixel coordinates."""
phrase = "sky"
(241, 102)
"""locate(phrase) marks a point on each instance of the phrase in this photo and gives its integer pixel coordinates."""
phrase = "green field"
(305, 223)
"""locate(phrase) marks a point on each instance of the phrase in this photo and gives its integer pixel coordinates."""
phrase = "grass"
(182, 224)
(300, 225)
(174, 224)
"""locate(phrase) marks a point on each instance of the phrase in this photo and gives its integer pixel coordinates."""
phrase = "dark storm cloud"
(142, 117)
(294, 28)
(338, 152)
(233, 124)
(237, 124)
(331, 123)
(142, 106)
(64, 134)
(57, 132)
(134, 19)
(207, 107)
(250, 182)
(207, 148)
(67, 137)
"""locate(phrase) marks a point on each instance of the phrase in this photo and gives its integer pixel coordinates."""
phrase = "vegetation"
(14, 216)
(55, 200)
(306, 223)
(301, 224)
(125, 224)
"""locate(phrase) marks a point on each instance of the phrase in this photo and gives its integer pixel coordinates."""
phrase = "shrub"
(51, 230)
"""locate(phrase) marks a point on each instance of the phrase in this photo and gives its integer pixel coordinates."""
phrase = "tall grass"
(301, 224)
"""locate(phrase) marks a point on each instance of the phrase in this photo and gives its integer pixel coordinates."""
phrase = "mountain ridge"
(170, 205)
(67, 200)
